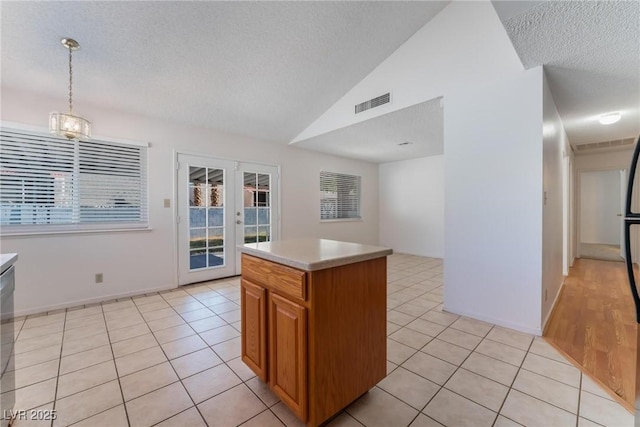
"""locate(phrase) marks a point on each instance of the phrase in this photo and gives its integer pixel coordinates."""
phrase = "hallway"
(594, 324)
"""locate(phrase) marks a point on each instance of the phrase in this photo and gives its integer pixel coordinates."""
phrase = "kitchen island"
(314, 317)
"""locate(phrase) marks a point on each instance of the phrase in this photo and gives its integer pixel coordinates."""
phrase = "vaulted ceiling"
(259, 69)
(268, 69)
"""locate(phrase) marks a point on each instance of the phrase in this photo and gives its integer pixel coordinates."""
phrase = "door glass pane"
(215, 187)
(216, 257)
(257, 211)
(250, 179)
(263, 216)
(197, 217)
(206, 217)
(250, 234)
(197, 259)
(263, 196)
(197, 238)
(216, 237)
(197, 187)
(263, 181)
(216, 217)
(264, 234)
(250, 216)
(250, 188)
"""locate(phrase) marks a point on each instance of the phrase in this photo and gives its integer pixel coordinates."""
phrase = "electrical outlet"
(99, 278)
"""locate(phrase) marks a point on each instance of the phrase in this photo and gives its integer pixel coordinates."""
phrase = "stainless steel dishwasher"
(7, 378)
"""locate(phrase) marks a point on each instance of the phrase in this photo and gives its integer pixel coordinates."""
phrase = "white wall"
(599, 205)
(493, 156)
(411, 206)
(493, 202)
(555, 148)
(58, 271)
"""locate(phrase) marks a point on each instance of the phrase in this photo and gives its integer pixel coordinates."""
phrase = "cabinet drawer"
(277, 277)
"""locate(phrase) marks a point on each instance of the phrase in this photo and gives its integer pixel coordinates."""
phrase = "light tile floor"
(172, 359)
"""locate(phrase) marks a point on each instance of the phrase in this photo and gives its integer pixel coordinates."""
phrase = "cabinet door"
(288, 353)
(254, 328)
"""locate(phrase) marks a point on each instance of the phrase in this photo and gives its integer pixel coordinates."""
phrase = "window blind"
(339, 196)
(50, 183)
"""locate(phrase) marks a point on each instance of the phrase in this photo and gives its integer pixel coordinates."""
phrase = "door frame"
(578, 202)
(175, 210)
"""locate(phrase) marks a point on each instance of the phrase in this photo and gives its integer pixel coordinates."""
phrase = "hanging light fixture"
(69, 125)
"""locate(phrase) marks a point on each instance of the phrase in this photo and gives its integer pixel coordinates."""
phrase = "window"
(339, 196)
(52, 184)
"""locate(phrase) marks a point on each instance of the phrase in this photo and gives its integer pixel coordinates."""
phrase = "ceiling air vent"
(373, 103)
(606, 144)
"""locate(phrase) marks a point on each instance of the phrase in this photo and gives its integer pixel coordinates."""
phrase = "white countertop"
(7, 260)
(314, 254)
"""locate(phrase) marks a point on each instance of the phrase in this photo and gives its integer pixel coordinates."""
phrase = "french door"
(222, 204)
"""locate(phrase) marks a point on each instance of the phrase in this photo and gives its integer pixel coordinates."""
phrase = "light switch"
(167, 203)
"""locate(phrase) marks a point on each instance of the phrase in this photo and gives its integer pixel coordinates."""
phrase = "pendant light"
(69, 125)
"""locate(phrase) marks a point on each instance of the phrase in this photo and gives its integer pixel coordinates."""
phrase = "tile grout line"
(180, 380)
(483, 339)
(421, 411)
(243, 382)
(460, 367)
(98, 385)
(579, 399)
(55, 394)
(115, 366)
(514, 381)
(174, 371)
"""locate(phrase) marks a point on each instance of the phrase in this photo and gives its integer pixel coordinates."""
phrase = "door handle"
(238, 221)
(619, 215)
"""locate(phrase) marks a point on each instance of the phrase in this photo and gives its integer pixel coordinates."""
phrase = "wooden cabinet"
(254, 328)
(288, 355)
(317, 337)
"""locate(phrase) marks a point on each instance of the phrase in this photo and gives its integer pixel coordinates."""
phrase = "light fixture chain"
(70, 82)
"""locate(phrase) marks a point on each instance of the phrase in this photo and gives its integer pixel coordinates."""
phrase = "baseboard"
(43, 309)
(553, 307)
(440, 256)
(499, 322)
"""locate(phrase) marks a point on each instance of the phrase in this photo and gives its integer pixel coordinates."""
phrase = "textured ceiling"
(376, 140)
(260, 69)
(591, 54)
(269, 69)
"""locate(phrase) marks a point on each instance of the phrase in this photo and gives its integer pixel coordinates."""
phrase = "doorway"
(602, 196)
(222, 204)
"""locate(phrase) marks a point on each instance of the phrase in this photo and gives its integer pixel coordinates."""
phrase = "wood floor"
(594, 324)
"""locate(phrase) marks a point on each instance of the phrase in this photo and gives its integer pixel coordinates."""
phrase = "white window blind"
(339, 196)
(49, 183)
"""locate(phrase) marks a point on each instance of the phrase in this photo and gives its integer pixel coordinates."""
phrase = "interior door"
(206, 241)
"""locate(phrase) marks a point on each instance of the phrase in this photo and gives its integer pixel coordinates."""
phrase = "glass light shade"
(69, 126)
